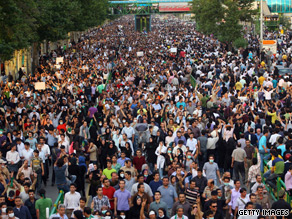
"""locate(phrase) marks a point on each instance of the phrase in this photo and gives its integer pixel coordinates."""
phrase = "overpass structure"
(148, 7)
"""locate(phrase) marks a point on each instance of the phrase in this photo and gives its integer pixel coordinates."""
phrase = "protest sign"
(40, 85)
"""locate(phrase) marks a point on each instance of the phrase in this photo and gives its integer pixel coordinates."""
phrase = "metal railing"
(60, 200)
(280, 185)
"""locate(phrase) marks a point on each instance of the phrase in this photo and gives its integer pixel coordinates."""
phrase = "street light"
(261, 23)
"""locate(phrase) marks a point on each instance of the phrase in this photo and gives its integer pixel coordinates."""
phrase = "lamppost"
(261, 22)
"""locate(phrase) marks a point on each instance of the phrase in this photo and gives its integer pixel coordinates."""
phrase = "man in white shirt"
(129, 131)
(12, 158)
(61, 212)
(192, 143)
(34, 112)
(156, 105)
(71, 200)
(20, 145)
(179, 146)
(179, 213)
(26, 153)
(140, 179)
(64, 142)
(82, 205)
(45, 149)
(241, 201)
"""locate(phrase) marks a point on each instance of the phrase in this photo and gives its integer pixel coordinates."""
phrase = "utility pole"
(261, 22)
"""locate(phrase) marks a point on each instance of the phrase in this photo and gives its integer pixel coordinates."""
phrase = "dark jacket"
(31, 208)
(22, 213)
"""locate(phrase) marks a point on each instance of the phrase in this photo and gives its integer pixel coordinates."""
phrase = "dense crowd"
(150, 143)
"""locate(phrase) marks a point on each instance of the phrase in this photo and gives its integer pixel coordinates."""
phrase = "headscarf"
(73, 161)
(82, 161)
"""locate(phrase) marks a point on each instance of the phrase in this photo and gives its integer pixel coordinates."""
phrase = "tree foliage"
(208, 13)
(222, 18)
(23, 22)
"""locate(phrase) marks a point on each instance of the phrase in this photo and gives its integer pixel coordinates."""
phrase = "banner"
(40, 85)
(174, 50)
(139, 54)
(59, 60)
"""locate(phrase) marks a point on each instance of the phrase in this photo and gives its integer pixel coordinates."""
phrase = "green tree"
(244, 8)
(229, 28)
(27, 22)
(222, 18)
(56, 19)
(208, 13)
(16, 27)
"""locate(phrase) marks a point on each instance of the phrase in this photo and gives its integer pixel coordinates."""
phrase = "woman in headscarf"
(94, 177)
(162, 214)
(121, 174)
(150, 152)
(111, 150)
(74, 169)
(107, 135)
(82, 172)
(135, 209)
(127, 150)
(147, 176)
(103, 148)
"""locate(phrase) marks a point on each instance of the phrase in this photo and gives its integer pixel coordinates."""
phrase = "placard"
(57, 66)
(40, 85)
(139, 54)
(59, 60)
(174, 50)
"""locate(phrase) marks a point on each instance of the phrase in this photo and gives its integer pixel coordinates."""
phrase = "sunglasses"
(214, 206)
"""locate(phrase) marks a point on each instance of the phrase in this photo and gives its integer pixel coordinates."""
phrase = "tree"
(229, 28)
(244, 8)
(222, 18)
(208, 13)
(16, 27)
(30, 22)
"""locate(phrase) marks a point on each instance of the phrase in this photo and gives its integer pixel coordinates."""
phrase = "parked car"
(284, 71)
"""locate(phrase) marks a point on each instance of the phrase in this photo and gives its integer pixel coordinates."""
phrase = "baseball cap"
(151, 213)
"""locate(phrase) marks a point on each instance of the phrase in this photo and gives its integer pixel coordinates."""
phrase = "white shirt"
(71, 201)
(163, 151)
(66, 144)
(211, 143)
(129, 131)
(192, 143)
(234, 196)
(20, 147)
(27, 154)
(24, 196)
(46, 150)
(27, 172)
(177, 217)
(12, 157)
(241, 202)
(147, 189)
(183, 148)
(268, 94)
(274, 138)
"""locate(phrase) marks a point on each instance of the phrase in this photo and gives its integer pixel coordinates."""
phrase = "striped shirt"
(192, 195)
(99, 203)
(254, 170)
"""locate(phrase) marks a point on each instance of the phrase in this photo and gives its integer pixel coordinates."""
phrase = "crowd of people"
(165, 124)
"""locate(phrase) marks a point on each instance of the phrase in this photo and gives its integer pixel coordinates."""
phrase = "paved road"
(53, 192)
